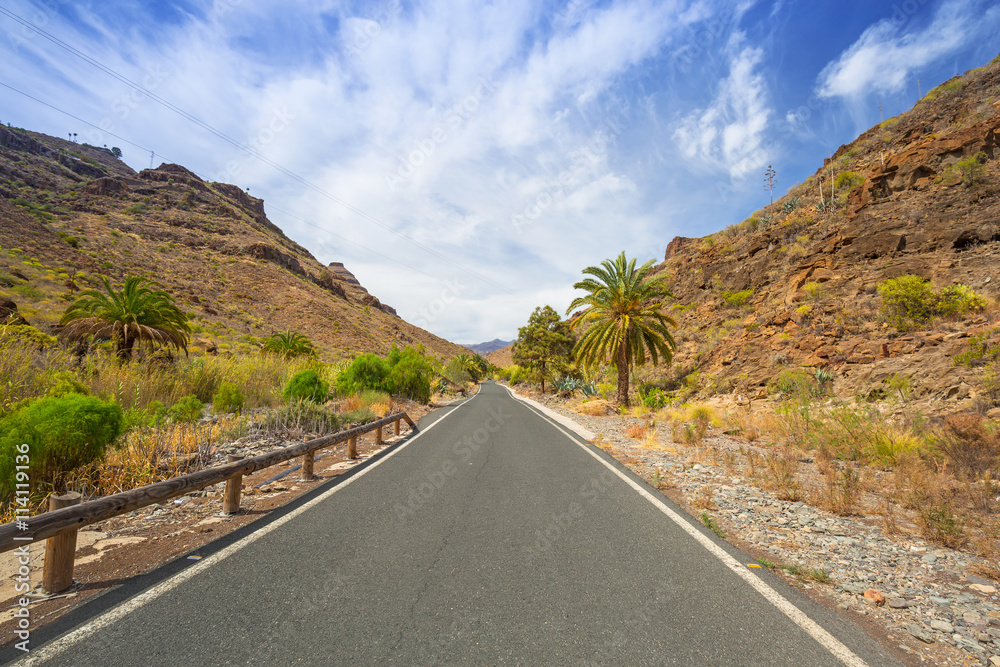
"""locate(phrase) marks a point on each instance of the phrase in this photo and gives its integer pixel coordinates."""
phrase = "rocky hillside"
(70, 213)
(795, 284)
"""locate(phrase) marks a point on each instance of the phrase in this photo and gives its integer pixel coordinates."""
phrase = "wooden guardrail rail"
(59, 526)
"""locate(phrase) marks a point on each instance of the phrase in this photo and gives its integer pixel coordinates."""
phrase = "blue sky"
(467, 160)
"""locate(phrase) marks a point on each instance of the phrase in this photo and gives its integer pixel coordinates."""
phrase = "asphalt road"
(491, 538)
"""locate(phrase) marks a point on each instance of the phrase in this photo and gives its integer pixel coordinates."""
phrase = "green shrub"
(30, 336)
(357, 417)
(848, 180)
(229, 398)
(456, 371)
(956, 300)
(737, 299)
(368, 371)
(62, 433)
(907, 301)
(798, 383)
(306, 385)
(136, 418)
(64, 384)
(971, 168)
(187, 409)
(655, 398)
(410, 374)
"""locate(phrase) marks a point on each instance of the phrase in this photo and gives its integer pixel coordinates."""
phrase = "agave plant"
(135, 315)
(289, 344)
(790, 204)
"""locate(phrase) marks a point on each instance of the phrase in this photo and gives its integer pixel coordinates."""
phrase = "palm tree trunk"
(622, 364)
(125, 346)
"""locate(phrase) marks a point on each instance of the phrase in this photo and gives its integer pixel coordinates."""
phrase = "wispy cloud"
(885, 57)
(729, 134)
(590, 123)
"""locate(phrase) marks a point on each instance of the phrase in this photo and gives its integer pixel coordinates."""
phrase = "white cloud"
(729, 134)
(884, 58)
(357, 106)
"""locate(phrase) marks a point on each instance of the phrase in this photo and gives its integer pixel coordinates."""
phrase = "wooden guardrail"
(60, 524)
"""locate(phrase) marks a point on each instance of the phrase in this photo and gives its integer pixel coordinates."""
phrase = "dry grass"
(704, 498)
(595, 408)
(781, 469)
(637, 431)
(27, 372)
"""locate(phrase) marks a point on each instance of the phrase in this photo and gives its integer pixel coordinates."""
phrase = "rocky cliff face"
(795, 285)
(78, 211)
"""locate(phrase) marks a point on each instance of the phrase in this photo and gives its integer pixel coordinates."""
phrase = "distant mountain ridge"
(490, 346)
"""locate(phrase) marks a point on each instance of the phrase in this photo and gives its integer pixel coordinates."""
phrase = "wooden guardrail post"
(307, 466)
(352, 447)
(395, 427)
(60, 550)
(378, 436)
(234, 489)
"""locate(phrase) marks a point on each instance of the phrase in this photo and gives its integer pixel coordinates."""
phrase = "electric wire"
(252, 152)
(201, 176)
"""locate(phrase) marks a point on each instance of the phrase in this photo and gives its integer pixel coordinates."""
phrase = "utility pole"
(150, 159)
(920, 95)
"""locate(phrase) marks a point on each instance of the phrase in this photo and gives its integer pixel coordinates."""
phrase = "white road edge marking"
(60, 645)
(814, 629)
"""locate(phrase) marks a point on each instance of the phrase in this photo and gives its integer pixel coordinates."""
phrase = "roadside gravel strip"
(844, 654)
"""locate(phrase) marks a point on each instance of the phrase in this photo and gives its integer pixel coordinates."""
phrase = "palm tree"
(468, 364)
(289, 344)
(134, 315)
(623, 318)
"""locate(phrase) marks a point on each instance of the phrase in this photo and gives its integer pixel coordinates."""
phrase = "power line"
(77, 118)
(201, 176)
(184, 114)
(344, 238)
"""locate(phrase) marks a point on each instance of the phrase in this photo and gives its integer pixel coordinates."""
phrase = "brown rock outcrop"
(9, 314)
